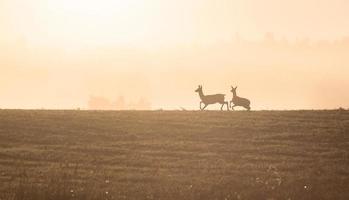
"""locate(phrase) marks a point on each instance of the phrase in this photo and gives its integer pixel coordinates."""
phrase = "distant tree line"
(102, 103)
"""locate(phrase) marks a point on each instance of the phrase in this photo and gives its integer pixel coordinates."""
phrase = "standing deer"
(239, 101)
(211, 99)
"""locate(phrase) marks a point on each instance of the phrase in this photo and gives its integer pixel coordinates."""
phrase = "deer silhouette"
(211, 99)
(239, 101)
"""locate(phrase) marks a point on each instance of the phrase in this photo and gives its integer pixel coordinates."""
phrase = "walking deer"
(239, 101)
(211, 99)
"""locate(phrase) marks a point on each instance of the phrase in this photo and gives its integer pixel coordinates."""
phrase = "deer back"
(239, 101)
(214, 98)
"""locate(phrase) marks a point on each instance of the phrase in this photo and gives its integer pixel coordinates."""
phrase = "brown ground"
(174, 155)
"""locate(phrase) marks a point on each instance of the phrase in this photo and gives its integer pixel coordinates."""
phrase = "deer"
(239, 101)
(211, 99)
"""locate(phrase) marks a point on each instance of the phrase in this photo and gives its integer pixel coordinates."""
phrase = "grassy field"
(174, 155)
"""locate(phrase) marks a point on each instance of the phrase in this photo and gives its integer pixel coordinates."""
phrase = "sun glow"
(92, 21)
(93, 8)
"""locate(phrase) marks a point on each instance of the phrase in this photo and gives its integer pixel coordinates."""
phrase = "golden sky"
(282, 54)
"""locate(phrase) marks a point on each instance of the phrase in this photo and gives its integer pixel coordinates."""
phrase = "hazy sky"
(164, 21)
(57, 53)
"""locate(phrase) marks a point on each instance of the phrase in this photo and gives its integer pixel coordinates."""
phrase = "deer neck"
(201, 94)
(234, 94)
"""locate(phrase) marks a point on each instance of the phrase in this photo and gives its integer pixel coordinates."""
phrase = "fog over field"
(275, 74)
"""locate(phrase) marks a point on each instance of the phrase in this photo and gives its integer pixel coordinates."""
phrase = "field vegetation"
(62, 155)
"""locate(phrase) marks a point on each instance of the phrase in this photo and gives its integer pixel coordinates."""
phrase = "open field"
(174, 155)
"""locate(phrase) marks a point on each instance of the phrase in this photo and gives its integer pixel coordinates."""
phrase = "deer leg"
(204, 106)
(227, 105)
(233, 107)
(222, 106)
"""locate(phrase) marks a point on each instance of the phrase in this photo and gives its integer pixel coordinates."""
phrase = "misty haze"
(275, 72)
(174, 100)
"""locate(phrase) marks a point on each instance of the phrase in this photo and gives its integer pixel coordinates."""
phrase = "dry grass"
(174, 155)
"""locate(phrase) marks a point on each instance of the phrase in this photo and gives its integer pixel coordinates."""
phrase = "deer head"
(233, 89)
(199, 89)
